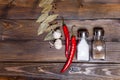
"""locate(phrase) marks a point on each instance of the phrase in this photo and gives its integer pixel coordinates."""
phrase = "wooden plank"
(27, 29)
(21, 3)
(88, 11)
(22, 78)
(68, 9)
(110, 27)
(101, 1)
(29, 51)
(19, 12)
(81, 71)
(27, 3)
(37, 51)
(111, 47)
(19, 29)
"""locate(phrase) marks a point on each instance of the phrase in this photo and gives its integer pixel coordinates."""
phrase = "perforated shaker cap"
(98, 32)
(83, 33)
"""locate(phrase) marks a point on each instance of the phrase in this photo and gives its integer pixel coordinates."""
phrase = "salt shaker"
(83, 46)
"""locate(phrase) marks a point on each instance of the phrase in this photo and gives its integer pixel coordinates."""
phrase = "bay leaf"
(42, 17)
(47, 9)
(49, 36)
(52, 27)
(45, 2)
(51, 18)
(42, 3)
(50, 2)
(43, 26)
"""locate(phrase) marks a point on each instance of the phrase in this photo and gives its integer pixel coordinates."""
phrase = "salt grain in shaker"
(83, 46)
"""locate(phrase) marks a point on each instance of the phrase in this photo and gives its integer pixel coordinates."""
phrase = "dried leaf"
(51, 18)
(42, 28)
(45, 2)
(52, 27)
(50, 1)
(49, 36)
(42, 17)
(47, 9)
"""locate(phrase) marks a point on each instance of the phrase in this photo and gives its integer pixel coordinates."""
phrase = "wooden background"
(23, 53)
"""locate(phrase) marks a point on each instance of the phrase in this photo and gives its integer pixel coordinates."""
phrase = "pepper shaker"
(98, 45)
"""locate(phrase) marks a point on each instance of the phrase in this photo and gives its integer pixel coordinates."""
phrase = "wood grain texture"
(23, 78)
(37, 51)
(81, 71)
(69, 9)
(27, 3)
(88, 11)
(23, 53)
(19, 29)
(27, 29)
(29, 51)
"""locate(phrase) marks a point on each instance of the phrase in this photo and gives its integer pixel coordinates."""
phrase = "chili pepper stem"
(63, 23)
(73, 30)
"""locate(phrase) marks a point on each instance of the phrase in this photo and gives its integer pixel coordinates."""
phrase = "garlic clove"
(57, 34)
(58, 44)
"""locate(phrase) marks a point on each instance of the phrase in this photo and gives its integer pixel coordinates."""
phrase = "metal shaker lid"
(98, 32)
(83, 33)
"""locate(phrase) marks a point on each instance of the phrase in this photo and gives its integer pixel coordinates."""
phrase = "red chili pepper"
(72, 52)
(67, 39)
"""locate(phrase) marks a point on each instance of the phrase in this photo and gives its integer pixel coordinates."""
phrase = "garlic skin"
(57, 34)
(58, 44)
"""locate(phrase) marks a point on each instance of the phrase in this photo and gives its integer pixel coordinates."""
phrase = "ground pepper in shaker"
(83, 46)
(98, 45)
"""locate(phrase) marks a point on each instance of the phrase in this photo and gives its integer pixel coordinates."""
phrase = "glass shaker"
(98, 45)
(83, 46)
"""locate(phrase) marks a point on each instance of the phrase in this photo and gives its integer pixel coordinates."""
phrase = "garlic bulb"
(58, 44)
(57, 34)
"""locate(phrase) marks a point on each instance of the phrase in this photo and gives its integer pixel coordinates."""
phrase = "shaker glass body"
(98, 45)
(98, 49)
